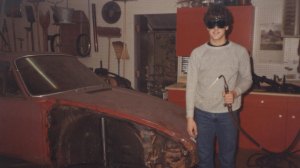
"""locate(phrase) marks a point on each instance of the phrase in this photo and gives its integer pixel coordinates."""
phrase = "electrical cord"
(266, 158)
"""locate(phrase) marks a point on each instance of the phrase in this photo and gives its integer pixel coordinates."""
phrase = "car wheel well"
(62, 119)
(79, 137)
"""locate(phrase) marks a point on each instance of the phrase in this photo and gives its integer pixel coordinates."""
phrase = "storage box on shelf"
(69, 33)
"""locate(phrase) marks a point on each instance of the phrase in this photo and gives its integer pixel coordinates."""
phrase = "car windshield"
(49, 74)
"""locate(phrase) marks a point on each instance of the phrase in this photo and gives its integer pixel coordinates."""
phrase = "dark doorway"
(156, 60)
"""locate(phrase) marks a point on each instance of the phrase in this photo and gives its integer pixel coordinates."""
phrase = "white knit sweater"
(206, 64)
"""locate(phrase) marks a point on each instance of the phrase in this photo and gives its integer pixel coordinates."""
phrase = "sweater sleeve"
(191, 86)
(244, 80)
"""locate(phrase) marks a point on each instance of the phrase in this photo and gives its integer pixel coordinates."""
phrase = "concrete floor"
(7, 162)
(244, 155)
(242, 158)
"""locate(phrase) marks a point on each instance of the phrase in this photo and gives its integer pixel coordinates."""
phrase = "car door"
(22, 125)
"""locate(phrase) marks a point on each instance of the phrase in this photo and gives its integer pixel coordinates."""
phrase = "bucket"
(62, 15)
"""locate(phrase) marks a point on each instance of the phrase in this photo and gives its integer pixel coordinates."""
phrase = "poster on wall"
(270, 37)
(271, 43)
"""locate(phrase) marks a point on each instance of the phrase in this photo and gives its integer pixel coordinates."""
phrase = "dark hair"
(217, 12)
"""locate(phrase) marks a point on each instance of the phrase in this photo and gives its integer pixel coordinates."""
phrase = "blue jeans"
(220, 126)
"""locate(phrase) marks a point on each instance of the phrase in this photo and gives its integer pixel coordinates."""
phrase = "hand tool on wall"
(28, 30)
(5, 37)
(21, 43)
(95, 27)
(89, 9)
(14, 33)
(118, 47)
(119, 50)
(45, 22)
(13, 10)
(298, 69)
(125, 54)
(31, 20)
(109, 32)
(36, 10)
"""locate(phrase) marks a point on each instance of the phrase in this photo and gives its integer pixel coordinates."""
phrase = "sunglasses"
(213, 23)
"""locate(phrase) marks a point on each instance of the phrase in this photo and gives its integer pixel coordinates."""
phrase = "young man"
(207, 116)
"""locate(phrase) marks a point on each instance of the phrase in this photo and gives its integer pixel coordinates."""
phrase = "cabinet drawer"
(264, 100)
(176, 95)
(293, 120)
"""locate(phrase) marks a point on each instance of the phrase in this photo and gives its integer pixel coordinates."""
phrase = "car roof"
(14, 55)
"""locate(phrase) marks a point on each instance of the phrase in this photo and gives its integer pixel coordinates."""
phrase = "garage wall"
(267, 12)
(133, 7)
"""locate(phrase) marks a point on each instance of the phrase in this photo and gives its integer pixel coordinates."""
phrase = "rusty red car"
(54, 111)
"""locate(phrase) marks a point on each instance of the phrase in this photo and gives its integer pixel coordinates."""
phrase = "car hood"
(132, 105)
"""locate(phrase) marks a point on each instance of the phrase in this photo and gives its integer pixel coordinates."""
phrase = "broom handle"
(125, 39)
(95, 27)
(108, 57)
(36, 8)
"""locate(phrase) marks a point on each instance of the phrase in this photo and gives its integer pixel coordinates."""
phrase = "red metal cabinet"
(177, 97)
(190, 31)
(264, 118)
(273, 120)
(293, 120)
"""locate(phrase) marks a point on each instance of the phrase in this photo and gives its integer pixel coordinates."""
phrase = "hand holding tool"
(226, 89)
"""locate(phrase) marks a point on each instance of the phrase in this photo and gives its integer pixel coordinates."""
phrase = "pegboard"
(272, 62)
(291, 58)
(290, 50)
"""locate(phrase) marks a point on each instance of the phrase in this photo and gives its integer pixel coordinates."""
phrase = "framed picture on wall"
(271, 38)
(270, 43)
